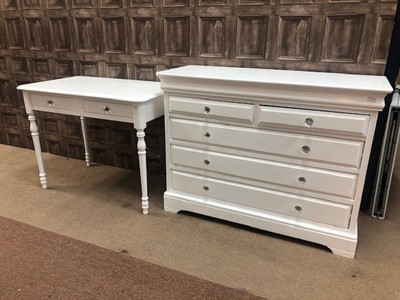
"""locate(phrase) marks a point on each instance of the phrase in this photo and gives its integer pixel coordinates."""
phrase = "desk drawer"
(305, 147)
(108, 109)
(210, 109)
(295, 177)
(307, 208)
(54, 102)
(313, 120)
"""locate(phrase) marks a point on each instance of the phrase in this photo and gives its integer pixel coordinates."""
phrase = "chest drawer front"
(106, 108)
(295, 177)
(311, 209)
(54, 102)
(212, 109)
(312, 120)
(329, 150)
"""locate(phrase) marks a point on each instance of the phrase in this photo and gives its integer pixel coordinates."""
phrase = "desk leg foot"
(43, 180)
(38, 149)
(141, 145)
(145, 205)
(85, 141)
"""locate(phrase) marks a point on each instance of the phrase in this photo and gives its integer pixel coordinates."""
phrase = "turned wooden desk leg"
(85, 141)
(38, 149)
(141, 145)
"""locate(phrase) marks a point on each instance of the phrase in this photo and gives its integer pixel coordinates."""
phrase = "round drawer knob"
(302, 180)
(305, 149)
(207, 135)
(207, 109)
(206, 188)
(206, 162)
(298, 208)
(106, 109)
(308, 122)
(50, 102)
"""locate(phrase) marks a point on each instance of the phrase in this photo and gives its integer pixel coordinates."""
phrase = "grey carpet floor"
(101, 205)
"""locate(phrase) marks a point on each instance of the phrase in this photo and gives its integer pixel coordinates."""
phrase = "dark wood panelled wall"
(46, 39)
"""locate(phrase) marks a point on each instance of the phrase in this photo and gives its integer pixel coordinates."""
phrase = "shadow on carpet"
(38, 264)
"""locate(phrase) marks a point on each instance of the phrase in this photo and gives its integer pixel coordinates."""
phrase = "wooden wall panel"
(83, 3)
(36, 34)
(112, 4)
(113, 35)
(89, 68)
(14, 34)
(212, 36)
(5, 93)
(56, 4)
(3, 64)
(176, 36)
(85, 35)
(9, 4)
(143, 36)
(31, 4)
(253, 2)
(117, 70)
(41, 67)
(20, 65)
(251, 37)
(133, 39)
(59, 34)
(294, 36)
(142, 3)
(381, 42)
(346, 29)
(212, 2)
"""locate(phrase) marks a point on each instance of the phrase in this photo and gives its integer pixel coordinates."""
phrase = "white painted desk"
(123, 100)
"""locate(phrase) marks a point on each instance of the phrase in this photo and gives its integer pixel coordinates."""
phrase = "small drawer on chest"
(313, 120)
(210, 109)
(304, 208)
(294, 177)
(107, 108)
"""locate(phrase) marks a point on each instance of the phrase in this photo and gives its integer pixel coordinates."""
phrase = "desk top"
(98, 87)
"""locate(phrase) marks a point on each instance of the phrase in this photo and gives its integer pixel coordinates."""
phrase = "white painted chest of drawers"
(283, 151)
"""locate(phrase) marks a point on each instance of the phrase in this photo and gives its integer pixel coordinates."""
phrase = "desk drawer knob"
(308, 122)
(298, 208)
(206, 162)
(207, 109)
(305, 149)
(207, 135)
(50, 103)
(206, 188)
(106, 109)
(302, 180)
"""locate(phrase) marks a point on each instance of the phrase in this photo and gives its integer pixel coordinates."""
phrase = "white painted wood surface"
(283, 151)
(132, 101)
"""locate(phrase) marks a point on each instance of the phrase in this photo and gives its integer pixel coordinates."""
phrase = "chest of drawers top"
(301, 88)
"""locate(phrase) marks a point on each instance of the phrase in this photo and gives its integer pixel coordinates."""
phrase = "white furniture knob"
(302, 180)
(308, 122)
(305, 149)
